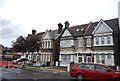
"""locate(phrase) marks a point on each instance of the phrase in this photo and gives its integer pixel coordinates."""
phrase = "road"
(15, 74)
(23, 74)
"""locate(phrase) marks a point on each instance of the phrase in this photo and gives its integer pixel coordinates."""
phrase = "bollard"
(68, 68)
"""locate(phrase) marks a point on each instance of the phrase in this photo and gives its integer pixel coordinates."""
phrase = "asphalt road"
(15, 74)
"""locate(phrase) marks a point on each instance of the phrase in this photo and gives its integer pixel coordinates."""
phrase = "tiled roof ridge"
(79, 25)
(93, 22)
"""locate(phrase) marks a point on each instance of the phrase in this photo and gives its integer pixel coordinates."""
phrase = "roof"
(113, 24)
(79, 30)
(87, 29)
(53, 33)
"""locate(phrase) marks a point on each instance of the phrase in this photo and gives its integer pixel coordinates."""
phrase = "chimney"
(33, 32)
(60, 28)
(67, 24)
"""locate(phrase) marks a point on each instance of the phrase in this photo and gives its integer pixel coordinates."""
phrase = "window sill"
(105, 45)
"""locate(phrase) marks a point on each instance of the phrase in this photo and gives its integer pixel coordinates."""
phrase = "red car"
(92, 71)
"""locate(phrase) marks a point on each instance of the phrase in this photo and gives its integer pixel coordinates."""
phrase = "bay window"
(103, 40)
(66, 58)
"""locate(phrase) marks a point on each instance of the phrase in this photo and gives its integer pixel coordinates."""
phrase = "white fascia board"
(104, 51)
(67, 52)
(103, 34)
(101, 21)
(44, 35)
(88, 36)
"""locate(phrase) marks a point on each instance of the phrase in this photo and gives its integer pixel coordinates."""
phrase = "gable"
(66, 33)
(102, 28)
(46, 36)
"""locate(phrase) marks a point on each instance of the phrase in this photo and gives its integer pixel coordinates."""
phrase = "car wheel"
(117, 79)
(80, 77)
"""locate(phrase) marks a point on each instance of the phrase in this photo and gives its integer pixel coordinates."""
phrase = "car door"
(89, 71)
(102, 74)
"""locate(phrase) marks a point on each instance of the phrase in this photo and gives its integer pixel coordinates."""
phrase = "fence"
(8, 63)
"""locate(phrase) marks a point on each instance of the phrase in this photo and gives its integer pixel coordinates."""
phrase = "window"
(97, 40)
(102, 68)
(109, 56)
(88, 42)
(66, 43)
(97, 58)
(66, 58)
(48, 44)
(108, 39)
(79, 59)
(103, 58)
(81, 42)
(102, 39)
(80, 66)
(43, 44)
(109, 60)
(89, 66)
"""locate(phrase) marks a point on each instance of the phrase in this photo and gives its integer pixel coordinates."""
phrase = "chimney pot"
(60, 28)
(67, 24)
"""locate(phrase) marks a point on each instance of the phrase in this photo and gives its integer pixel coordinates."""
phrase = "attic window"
(82, 29)
(77, 29)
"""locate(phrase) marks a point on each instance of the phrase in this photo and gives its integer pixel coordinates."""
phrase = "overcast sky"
(19, 17)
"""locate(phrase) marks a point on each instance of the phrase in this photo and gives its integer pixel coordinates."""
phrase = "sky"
(19, 17)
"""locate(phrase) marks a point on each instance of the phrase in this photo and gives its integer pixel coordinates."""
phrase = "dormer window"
(77, 29)
(82, 29)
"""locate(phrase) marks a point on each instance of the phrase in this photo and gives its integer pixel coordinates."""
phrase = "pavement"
(49, 70)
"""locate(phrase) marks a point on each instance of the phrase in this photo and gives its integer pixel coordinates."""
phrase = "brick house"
(48, 40)
(50, 45)
(93, 42)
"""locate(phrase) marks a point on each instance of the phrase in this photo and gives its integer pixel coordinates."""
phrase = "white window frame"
(67, 43)
(105, 39)
(80, 41)
(102, 39)
(88, 42)
(97, 40)
(65, 58)
(97, 58)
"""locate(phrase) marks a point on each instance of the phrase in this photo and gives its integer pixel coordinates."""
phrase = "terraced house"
(50, 46)
(95, 42)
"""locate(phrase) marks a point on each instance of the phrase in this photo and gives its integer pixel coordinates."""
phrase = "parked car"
(92, 71)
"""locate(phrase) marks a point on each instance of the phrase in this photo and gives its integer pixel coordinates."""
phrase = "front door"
(88, 59)
(80, 59)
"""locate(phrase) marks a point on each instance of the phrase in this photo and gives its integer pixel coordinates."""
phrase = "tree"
(33, 43)
(19, 44)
